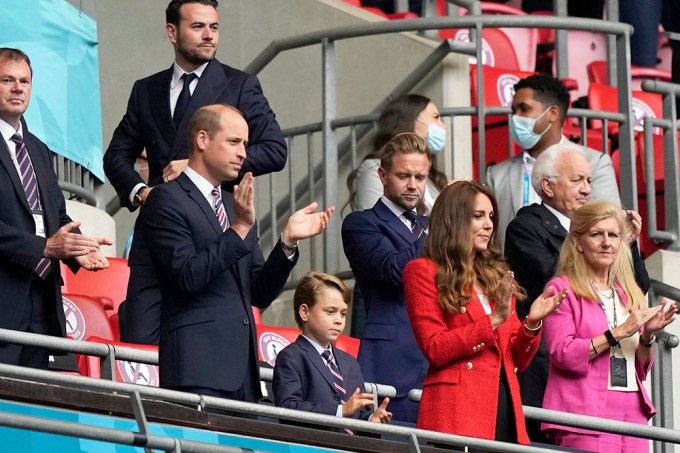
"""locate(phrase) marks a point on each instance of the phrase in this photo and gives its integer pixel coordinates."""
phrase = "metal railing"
(335, 153)
(109, 353)
(671, 183)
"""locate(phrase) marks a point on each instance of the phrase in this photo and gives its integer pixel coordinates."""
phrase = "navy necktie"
(183, 99)
(30, 185)
(416, 227)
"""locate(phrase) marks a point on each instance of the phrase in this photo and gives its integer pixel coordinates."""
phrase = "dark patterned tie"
(30, 185)
(183, 99)
(219, 209)
(416, 228)
(338, 382)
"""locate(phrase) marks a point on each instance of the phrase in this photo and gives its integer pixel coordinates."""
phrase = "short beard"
(193, 56)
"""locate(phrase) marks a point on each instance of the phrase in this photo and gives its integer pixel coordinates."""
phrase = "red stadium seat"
(271, 340)
(583, 48)
(605, 98)
(85, 317)
(597, 72)
(348, 344)
(498, 92)
(497, 49)
(110, 283)
(126, 371)
(524, 40)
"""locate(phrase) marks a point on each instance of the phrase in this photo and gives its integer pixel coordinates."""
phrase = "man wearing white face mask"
(539, 109)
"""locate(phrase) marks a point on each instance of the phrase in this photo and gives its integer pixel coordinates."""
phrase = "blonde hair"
(573, 263)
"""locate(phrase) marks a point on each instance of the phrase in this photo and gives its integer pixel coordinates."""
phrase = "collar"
(527, 159)
(178, 72)
(7, 131)
(204, 186)
(317, 346)
(563, 219)
(395, 208)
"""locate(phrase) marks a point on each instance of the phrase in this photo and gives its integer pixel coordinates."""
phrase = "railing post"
(331, 237)
(107, 367)
(671, 178)
(562, 63)
(628, 172)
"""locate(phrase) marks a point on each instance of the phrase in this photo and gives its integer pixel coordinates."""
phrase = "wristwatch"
(137, 198)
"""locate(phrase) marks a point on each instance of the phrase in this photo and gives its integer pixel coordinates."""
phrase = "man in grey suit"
(539, 109)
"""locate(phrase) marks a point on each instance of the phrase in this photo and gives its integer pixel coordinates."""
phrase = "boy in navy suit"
(311, 374)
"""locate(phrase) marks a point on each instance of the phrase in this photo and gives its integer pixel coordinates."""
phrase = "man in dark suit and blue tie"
(209, 264)
(378, 242)
(35, 231)
(157, 116)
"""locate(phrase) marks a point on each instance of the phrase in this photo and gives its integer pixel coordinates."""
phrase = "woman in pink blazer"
(600, 339)
(461, 303)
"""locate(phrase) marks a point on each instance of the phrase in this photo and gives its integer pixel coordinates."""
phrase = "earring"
(580, 250)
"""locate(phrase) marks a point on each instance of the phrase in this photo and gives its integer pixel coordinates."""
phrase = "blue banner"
(65, 107)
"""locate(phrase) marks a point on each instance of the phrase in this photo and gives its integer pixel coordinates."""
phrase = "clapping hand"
(306, 223)
(545, 305)
(633, 225)
(661, 318)
(503, 299)
(382, 415)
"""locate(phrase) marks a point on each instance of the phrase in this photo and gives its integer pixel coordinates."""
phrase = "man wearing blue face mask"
(539, 108)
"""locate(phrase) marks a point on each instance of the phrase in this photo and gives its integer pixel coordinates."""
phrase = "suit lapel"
(394, 222)
(516, 189)
(315, 358)
(212, 83)
(6, 162)
(201, 201)
(159, 106)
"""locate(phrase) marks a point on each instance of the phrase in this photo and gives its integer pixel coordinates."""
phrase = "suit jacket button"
(245, 321)
(468, 365)
(527, 349)
(515, 370)
(336, 398)
(482, 345)
(474, 348)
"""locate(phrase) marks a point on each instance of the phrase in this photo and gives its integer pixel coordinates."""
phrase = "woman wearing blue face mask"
(409, 113)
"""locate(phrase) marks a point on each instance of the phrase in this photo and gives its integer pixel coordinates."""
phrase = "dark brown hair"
(450, 245)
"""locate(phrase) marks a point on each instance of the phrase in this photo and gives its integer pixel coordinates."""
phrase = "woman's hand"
(545, 305)
(661, 318)
(503, 299)
(635, 321)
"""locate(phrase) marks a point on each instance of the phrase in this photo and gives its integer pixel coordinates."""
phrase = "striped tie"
(338, 382)
(219, 209)
(30, 185)
(416, 227)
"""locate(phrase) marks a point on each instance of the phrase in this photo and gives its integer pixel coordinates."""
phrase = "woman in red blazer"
(461, 302)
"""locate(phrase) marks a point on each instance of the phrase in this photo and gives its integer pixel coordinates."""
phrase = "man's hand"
(64, 244)
(357, 401)
(382, 415)
(244, 196)
(93, 261)
(633, 225)
(306, 223)
(173, 169)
